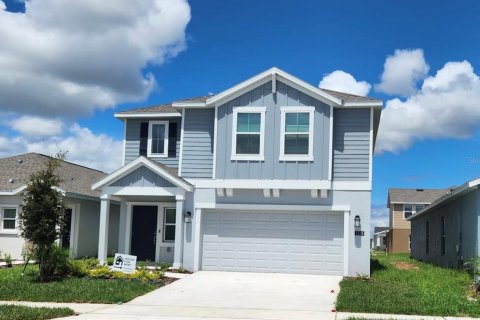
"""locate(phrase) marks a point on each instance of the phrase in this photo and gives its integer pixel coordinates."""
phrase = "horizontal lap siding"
(197, 158)
(272, 167)
(351, 144)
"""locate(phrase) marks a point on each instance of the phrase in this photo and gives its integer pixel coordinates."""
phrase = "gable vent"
(419, 189)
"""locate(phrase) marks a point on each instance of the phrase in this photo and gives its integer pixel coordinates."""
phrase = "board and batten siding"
(132, 141)
(142, 177)
(197, 157)
(351, 144)
(272, 167)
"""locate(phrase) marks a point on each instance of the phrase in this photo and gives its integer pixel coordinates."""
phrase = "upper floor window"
(248, 133)
(296, 136)
(9, 218)
(410, 209)
(157, 139)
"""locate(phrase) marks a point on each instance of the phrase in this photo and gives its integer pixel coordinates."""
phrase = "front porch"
(152, 205)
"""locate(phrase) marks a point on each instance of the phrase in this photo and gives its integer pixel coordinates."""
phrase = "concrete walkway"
(77, 307)
(375, 316)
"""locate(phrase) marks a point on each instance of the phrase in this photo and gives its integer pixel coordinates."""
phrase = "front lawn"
(15, 287)
(400, 285)
(12, 312)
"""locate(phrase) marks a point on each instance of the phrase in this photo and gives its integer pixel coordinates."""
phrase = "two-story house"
(403, 203)
(270, 175)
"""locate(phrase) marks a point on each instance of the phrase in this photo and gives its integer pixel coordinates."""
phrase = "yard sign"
(124, 263)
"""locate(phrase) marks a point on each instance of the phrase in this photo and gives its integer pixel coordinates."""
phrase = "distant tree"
(42, 215)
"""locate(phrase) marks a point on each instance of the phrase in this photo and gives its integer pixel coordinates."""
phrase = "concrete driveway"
(233, 295)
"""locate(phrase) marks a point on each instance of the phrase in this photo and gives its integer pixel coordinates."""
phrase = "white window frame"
(414, 208)
(149, 144)
(251, 109)
(296, 109)
(2, 218)
(167, 224)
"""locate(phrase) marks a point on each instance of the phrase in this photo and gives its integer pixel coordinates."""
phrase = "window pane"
(418, 207)
(248, 122)
(408, 214)
(296, 144)
(158, 138)
(10, 213)
(297, 122)
(248, 144)
(408, 207)
(170, 215)
(169, 233)
(8, 224)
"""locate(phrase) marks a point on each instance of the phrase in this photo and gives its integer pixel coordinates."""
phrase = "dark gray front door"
(144, 231)
(66, 232)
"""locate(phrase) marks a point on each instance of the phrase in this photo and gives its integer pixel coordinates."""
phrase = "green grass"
(12, 312)
(15, 287)
(430, 290)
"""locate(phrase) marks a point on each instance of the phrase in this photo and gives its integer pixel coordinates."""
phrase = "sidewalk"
(76, 307)
(348, 315)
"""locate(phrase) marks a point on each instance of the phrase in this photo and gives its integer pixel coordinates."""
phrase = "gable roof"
(15, 172)
(331, 97)
(380, 229)
(420, 196)
(162, 170)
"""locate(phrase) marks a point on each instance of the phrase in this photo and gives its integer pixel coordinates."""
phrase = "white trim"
(271, 207)
(220, 192)
(330, 146)
(267, 193)
(17, 211)
(147, 115)
(414, 209)
(215, 132)
(370, 155)
(74, 229)
(188, 104)
(265, 77)
(276, 193)
(281, 184)
(323, 194)
(346, 241)
(374, 104)
(296, 109)
(405, 202)
(142, 191)
(128, 228)
(250, 109)
(13, 192)
(124, 141)
(197, 235)
(180, 157)
(274, 83)
(229, 192)
(137, 163)
(314, 193)
(165, 141)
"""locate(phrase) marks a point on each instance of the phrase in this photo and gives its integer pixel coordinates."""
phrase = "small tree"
(43, 214)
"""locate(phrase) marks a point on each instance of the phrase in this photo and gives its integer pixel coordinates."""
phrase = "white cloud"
(36, 126)
(402, 71)
(379, 217)
(446, 106)
(70, 58)
(84, 147)
(342, 81)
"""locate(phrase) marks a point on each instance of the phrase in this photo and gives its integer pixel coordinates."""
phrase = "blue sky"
(229, 41)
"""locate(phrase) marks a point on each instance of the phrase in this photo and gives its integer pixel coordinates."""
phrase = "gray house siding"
(351, 144)
(142, 177)
(461, 230)
(132, 141)
(272, 167)
(197, 158)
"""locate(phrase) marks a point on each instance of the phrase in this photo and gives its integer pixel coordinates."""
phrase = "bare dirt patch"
(402, 265)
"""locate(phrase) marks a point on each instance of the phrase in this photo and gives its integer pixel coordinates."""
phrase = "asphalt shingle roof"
(415, 195)
(76, 179)
(347, 97)
(380, 229)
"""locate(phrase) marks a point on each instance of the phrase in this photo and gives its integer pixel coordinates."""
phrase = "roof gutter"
(148, 115)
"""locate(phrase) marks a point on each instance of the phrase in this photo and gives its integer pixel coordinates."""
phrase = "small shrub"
(141, 274)
(102, 272)
(163, 266)
(8, 260)
(82, 267)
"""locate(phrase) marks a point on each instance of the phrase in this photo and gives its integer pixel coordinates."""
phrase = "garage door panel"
(292, 242)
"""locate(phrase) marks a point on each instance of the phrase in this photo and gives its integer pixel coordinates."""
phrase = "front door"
(66, 232)
(144, 232)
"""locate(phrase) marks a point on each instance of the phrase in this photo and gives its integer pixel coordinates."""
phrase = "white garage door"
(290, 242)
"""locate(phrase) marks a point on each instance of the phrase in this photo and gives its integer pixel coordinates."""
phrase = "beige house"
(402, 204)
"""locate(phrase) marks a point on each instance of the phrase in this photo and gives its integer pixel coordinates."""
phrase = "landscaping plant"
(42, 216)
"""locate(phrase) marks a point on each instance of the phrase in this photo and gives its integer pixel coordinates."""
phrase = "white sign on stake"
(124, 263)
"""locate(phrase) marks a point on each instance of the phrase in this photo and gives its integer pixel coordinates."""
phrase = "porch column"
(178, 254)
(122, 227)
(103, 232)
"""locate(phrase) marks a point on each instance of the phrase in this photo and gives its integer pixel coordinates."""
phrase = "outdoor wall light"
(357, 221)
(188, 217)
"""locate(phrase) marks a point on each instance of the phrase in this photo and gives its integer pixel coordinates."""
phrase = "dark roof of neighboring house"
(380, 229)
(167, 107)
(347, 97)
(420, 196)
(77, 179)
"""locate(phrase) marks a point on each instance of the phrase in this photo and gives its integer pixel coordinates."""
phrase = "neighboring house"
(82, 202)
(402, 204)
(379, 240)
(268, 176)
(446, 233)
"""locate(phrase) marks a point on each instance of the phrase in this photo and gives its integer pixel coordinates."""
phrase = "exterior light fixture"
(188, 217)
(357, 221)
